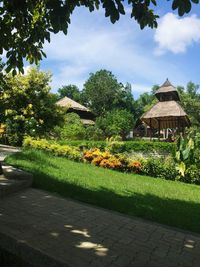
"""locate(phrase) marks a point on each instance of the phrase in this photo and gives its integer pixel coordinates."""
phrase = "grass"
(168, 202)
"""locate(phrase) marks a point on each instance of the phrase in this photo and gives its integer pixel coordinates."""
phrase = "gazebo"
(167, 113)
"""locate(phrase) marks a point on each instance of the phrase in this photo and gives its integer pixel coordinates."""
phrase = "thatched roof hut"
(167, 113)
(71, 104)
(85, 114)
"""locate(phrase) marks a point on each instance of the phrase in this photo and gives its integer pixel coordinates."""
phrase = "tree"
(145, 101)
(116, 122)
(125, 98)
(27, 107)
(190, 100)
(102, 92)
(70, 91)
(72, 128)
(26, 24)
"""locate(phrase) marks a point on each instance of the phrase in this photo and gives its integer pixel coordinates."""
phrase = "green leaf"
(181, 168)
(191, 143)
(186, 153)
(178, 155)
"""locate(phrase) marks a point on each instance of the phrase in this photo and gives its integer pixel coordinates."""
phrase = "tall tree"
(102, 92)
(116, 122)
(145, 101)
(70, 91)
(26, 24)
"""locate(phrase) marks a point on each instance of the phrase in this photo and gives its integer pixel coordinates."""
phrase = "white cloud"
(176, 34)
(94, 43)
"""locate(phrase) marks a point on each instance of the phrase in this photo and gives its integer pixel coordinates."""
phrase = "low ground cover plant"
(69, 152)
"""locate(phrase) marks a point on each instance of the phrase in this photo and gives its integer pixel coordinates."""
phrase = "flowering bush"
(135, 166)
(97, 160)
(111, 163)
(107, 160)
(102, 158)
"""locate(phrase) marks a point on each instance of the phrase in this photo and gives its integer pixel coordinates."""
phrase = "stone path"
(47, 230)
(12, 179)
(6, 150)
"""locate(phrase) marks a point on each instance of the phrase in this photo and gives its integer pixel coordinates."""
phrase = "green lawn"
(167, 202)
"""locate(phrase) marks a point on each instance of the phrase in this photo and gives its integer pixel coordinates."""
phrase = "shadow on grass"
(173, 212)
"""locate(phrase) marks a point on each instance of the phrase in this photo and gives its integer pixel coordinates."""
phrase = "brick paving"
(76, 234)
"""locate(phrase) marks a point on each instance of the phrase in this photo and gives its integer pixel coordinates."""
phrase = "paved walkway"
(75, 234)
(7, 150)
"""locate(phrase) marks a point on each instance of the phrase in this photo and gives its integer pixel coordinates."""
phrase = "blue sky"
(140, 57)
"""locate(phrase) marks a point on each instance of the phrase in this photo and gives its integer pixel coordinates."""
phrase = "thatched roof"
(69, 103)
(87, 122)
(167, 89)
(169, 114)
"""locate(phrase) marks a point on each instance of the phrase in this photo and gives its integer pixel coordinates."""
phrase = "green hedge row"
(127, 146)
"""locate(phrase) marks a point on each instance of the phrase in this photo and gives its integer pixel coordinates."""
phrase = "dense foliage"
(26, 25)
(116, 122)
(27, 107)
(71, 129)
(146, 147)
(102, 93)
(70, 91)
(190, 100)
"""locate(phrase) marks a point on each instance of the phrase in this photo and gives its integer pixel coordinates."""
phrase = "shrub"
(192, 175)
(97, 160)
(58, 150)
(125, 146)
(163, 168)
(72, 129)
(111, 163)
(135, 166)
(115, 145)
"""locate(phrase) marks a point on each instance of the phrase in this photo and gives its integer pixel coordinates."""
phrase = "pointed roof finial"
(167, 83)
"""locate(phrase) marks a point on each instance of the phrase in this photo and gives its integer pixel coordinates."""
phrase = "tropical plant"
(187, 152)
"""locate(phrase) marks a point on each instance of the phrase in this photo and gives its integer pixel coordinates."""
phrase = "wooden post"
(179, 127)
(150, 130)
(158, 129)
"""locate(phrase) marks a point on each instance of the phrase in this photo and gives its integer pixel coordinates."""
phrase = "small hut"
(85, 114)
(167, 113)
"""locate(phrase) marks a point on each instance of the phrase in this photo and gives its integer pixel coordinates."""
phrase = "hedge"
(128, 146)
